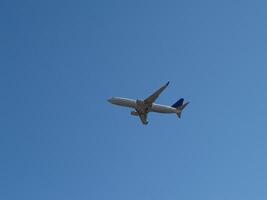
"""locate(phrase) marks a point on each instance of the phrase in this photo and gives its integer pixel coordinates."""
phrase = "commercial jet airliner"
(143, 107)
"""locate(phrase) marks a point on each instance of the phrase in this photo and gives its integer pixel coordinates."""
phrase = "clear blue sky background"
(61, 139)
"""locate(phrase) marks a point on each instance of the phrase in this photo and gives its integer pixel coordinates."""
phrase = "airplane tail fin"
(180, 105)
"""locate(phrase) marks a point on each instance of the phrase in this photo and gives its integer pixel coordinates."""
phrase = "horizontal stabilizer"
(180, 109)
(183, 106)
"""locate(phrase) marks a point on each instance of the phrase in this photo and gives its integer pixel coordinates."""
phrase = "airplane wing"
(143, 118)
(151, 99)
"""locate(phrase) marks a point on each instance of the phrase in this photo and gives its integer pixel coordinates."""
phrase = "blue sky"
(61, 139)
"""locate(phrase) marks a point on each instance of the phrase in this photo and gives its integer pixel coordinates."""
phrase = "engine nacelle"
(134, 113)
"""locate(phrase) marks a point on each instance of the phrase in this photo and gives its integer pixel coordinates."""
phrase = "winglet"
(167, 83)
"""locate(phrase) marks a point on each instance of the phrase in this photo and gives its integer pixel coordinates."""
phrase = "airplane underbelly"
(162, 109)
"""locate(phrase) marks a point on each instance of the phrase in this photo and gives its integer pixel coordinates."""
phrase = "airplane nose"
(110, 100)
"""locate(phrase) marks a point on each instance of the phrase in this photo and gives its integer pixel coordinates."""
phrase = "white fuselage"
(131, 103)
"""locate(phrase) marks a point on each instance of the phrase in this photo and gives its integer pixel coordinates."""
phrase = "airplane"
(143, 107)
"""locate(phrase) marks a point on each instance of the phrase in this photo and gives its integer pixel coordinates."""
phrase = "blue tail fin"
(178, 103)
